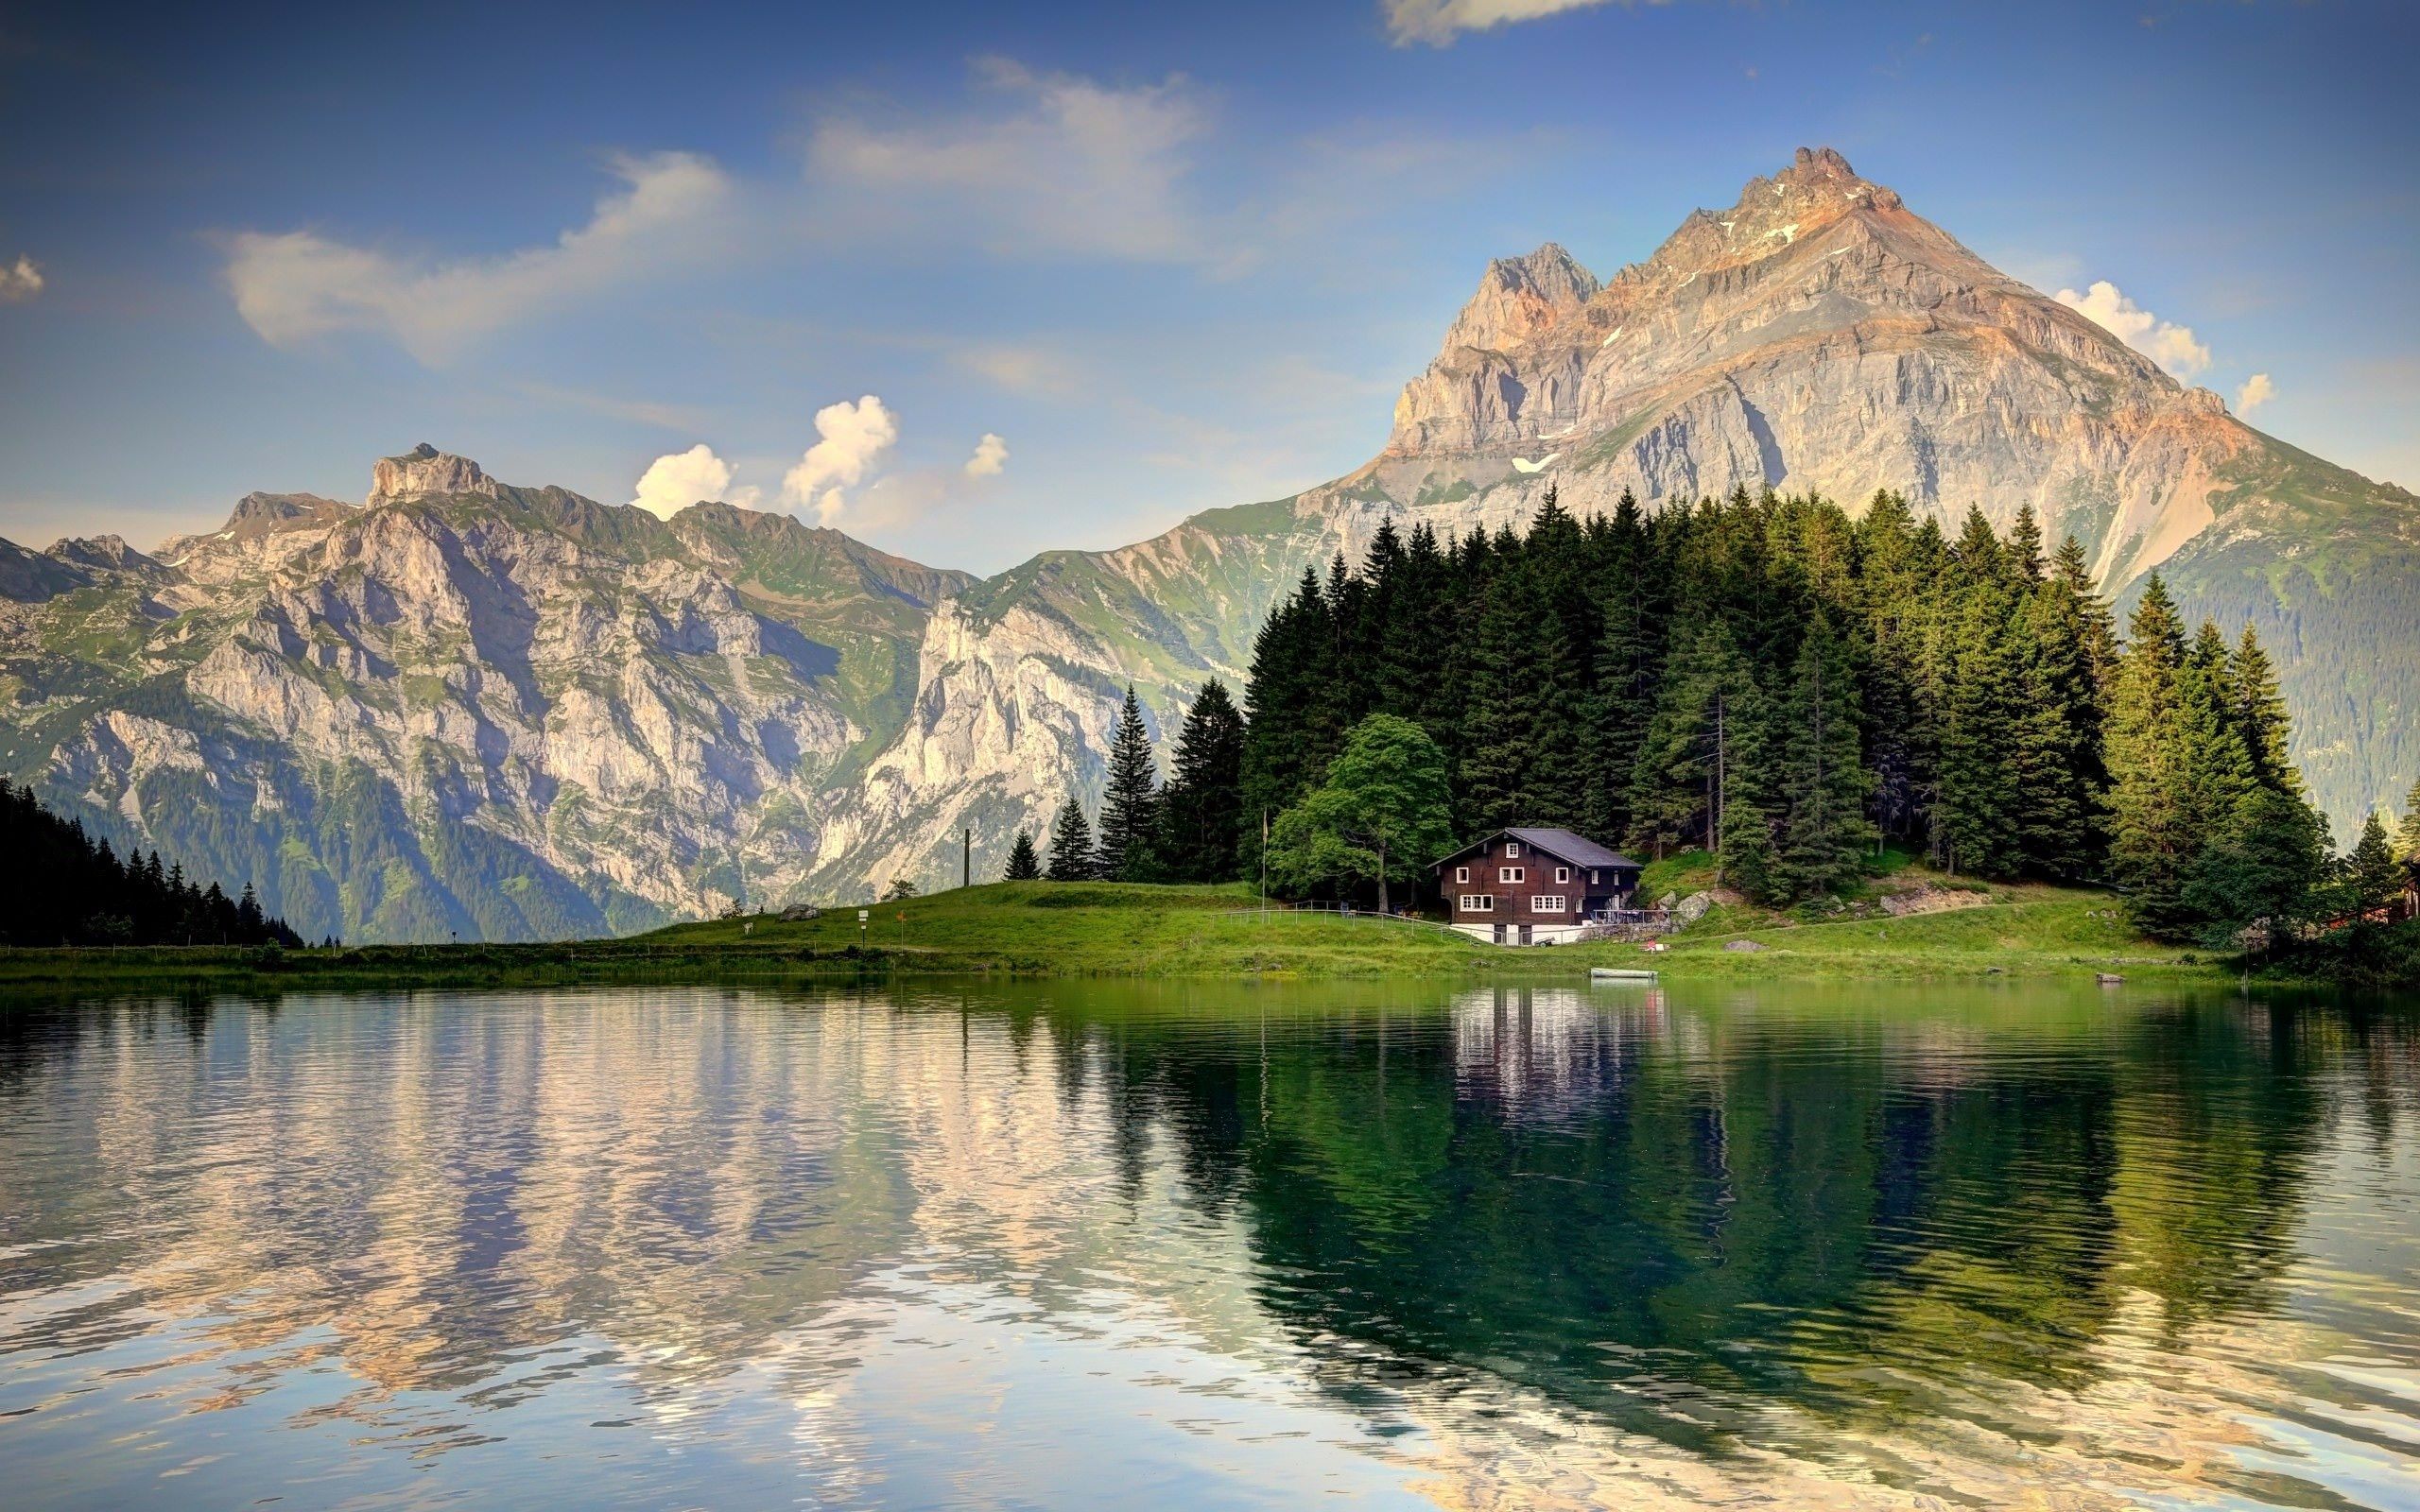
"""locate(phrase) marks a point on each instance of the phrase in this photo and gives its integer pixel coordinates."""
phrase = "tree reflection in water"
(1537, 1243)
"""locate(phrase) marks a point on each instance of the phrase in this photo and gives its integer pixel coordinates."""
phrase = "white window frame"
(1511, 850)
(1461, 873)
(1592, 875)
(1550, 903)
(1563, 873)
(1478, 903)
(1511, 873)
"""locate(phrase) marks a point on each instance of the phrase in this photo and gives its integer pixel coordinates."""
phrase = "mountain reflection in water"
(1083, 1245)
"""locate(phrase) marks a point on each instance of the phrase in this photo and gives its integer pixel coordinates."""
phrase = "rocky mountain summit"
(468, 707)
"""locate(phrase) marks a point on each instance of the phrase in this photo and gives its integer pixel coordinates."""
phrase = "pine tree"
(2257, 711)
(1824, 777)
(1978, 806)
(1294, 724)
(2025, 545)
(1023, 864)
(1685, 766)
(1130, 800)
(1200, 816)
(1071, 846)
(2408, 838)
(1626, 671)
(1750, 861)
(2151, 836)
(2371, 867)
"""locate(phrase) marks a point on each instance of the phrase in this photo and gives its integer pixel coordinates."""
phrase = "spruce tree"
(1824, 777)
(1201, 813)
(1683, 772)
(1979, 802)
(2257, 711)
(1750, 861)
(2372, 869)
(2152, 836)
(1023, 864)
(1130, 800)
(2408, 838)
(1071, 845)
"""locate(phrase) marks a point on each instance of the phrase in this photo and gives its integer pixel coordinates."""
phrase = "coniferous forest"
(62, 887)
(1769, 680)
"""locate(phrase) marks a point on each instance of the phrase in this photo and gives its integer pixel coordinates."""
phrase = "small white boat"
(1618, 974)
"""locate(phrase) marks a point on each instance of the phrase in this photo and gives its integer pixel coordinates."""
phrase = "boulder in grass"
(1744, 945)
(801, 913)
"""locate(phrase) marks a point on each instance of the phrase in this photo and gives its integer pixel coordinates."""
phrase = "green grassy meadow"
(1118, 930)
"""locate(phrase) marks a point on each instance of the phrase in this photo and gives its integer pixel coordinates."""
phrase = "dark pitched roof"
(1561, 844)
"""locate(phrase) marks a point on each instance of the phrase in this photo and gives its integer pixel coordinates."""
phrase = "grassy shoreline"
(1111, 930)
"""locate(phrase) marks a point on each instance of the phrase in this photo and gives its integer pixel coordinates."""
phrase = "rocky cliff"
(467, 707)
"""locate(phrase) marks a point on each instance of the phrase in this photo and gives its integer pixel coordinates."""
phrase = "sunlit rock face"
(465, 707)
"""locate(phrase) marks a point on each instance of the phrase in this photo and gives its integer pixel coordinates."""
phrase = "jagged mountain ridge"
(465, 705)
(1817, 337)
(465, 708)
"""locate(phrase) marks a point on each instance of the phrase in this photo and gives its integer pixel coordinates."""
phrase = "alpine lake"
(1212, 1245)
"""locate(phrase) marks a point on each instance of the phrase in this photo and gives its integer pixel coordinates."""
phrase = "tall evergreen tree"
(1023, 864)
(1072, 858)
(2152, 836)
(1824, 779)
(2408, 837)
(1685, 769)
(2257, 711)
(1130, 800)
(2372, 869)
(1201, 812)
(1979, 807)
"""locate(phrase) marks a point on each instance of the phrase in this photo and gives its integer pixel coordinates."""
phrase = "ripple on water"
(1079, 1244)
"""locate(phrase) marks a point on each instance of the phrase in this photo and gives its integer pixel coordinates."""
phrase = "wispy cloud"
(641, 411)
(20, 281)
(1026, 369)
(2255, 391)
(1438, 22)
(850, 436)
(1068, 166)
(291, 286)
(2172, 346)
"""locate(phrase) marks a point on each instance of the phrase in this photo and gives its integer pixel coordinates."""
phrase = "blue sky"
(1168, 256)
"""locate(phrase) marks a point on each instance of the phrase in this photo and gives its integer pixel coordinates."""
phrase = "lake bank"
(1112, 930)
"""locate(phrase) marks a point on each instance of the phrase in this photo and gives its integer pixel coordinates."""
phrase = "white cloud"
(2173, 347)
(1436, 22)
(1076, 167)
(990, 456)
(2256, 390)
(22, 281)
(851, 435)
(678, 479)
(293, 286)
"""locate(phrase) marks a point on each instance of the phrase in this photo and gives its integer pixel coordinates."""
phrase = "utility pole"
(967, 857)
(1263, 868)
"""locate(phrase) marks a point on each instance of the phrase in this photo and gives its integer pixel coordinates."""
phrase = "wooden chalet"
(1534, 886)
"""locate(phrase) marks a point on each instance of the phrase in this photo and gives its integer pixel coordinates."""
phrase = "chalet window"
(1547, 903)
(1478, 903)
(1509, 874)
(1511, 850)
(1461, 873)
(1563, 873)
(1592, 874)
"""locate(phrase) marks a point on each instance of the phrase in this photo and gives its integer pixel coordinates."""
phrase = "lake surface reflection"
(1069, 1245)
